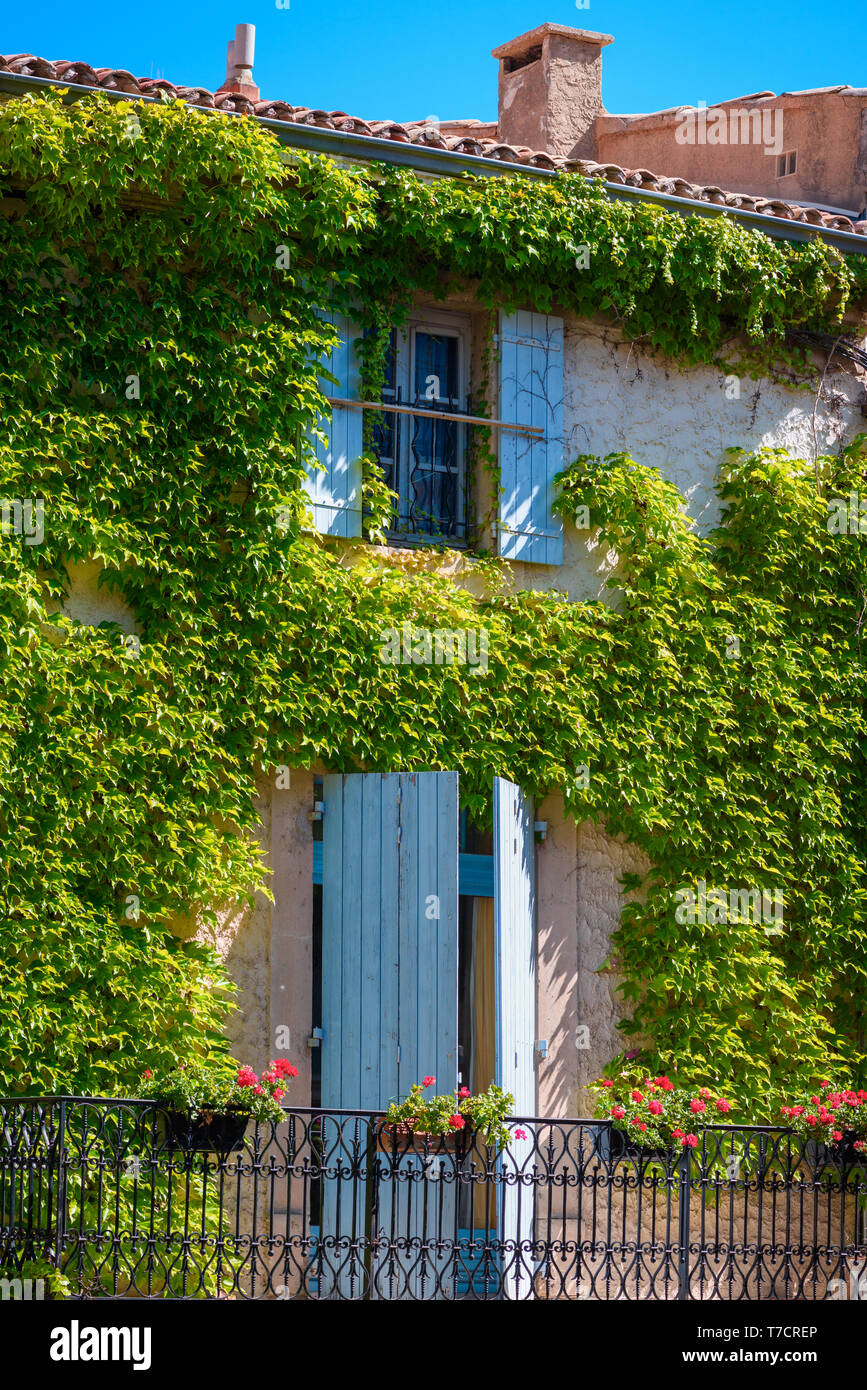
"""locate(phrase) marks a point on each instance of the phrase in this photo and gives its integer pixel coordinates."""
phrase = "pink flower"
(723, 1106)
(606, 1083)
(247, 1076)
(618, 1112)
(278, 1095)
(837, 1136)
(429, 1080)
(464, 1092)
(697, 1107)
(636, 1095)
(655, 1107)
(457, 1122)
(257, 1091)
(642, 1127)
(664, 1084)
(520, 1134)
(148, 1073)
(691, 1140)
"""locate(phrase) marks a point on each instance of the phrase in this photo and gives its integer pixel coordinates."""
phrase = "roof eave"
(447, 163)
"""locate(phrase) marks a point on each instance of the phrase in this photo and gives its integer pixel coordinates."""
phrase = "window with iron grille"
(422, 447)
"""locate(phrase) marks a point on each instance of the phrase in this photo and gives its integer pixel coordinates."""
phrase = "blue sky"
(432, 57)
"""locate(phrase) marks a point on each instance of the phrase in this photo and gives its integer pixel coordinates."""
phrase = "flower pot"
(841, 1154)
(403, 1138)
(218, 1131)
(621, 1146)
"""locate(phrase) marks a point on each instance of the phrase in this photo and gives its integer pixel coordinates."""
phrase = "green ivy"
(158, 372)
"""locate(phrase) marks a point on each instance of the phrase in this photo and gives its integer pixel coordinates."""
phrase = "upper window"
(422, 446)
(787, 163)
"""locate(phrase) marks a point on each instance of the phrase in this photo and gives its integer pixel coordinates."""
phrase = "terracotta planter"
(402, 1138)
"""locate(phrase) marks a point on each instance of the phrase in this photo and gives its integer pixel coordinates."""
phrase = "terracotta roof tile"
(418, 133)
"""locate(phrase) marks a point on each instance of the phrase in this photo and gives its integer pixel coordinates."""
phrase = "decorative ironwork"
(330, 1205)
(426, 461)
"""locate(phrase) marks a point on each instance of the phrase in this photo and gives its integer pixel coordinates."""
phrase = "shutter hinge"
(315, 1037)
(318, 811)
(541, 829)
(541, 1047)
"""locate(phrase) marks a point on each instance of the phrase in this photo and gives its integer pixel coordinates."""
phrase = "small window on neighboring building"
(787, 163)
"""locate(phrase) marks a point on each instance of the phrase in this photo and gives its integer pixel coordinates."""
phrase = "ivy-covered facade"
(435, 746)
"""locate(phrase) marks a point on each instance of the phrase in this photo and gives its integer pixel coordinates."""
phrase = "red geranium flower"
(429, 1080)
(457, 1122)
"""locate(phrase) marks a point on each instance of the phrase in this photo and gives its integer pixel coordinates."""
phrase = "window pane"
(434, 471)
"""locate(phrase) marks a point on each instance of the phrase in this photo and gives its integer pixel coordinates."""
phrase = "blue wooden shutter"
(389, 936)
(335, 489)
(515, 996)
(531, 393)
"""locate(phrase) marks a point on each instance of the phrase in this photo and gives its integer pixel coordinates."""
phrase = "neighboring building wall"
(827, 130)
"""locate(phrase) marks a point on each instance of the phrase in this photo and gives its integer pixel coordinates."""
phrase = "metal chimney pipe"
(241, 51)
(244, 45)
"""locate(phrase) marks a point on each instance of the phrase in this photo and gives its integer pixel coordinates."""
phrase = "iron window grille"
(424, 456)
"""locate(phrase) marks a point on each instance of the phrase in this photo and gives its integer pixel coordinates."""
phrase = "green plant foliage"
(746, 768)
(158, 364)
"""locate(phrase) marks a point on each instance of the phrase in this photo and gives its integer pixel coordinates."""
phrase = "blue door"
(389, 1015)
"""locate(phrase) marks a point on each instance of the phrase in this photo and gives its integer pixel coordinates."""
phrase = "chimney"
(551, 90)
(239, 63)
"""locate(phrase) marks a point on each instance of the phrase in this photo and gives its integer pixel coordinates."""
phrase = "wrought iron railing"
(335, 1205)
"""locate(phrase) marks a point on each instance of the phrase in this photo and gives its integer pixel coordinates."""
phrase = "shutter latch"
(318, 811)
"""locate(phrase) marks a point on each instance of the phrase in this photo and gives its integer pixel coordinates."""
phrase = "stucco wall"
(823, 128)
(618, 396)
